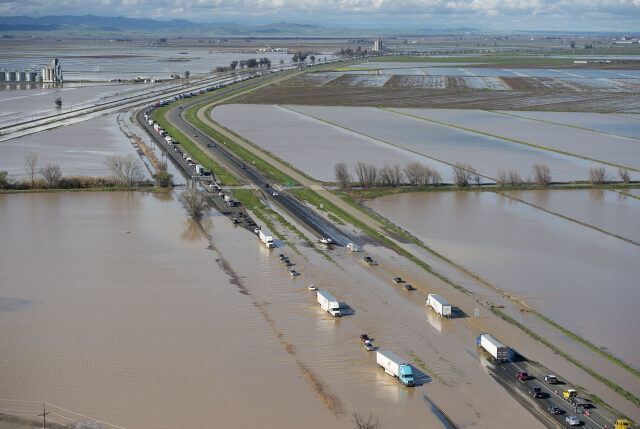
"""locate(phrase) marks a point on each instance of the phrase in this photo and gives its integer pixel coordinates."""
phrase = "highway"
(505, 374)
(284, 200)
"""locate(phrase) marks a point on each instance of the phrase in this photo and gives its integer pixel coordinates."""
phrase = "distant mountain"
(103, 26)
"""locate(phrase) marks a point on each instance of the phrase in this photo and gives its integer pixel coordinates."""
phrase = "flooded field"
(624, 126)
(612, 211)
(121, 319)
(143, 326)
(79, 149)
(23, 105)
(450, 144)
(603, 147)
(111, 60)
(308, 144)
(570, 273)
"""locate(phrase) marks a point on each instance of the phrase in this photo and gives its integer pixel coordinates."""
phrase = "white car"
(312, 287)
(573, 421)
(275, 194)
(368, 346)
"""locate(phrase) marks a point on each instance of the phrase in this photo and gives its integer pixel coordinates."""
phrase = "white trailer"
(495, 348)
(439, 305)
(266, 237)
(328, 303)
(395, 366)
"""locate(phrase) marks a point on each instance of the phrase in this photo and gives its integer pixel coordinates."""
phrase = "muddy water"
(450, 144)
(308, 144)
(79, 149)
(611, 211)
(611, 148)
(572, 274)
(449, 369)
(112, 306)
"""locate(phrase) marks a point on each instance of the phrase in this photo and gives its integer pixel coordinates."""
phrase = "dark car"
(553, 409)
(281, 256)
(364, 337)
(409, 288)
(522, 375)
(535, 392)
(398, 280)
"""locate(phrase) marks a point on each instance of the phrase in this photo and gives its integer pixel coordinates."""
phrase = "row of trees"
(125, 170)
(350, 52)
(417, 174)
(251, 63)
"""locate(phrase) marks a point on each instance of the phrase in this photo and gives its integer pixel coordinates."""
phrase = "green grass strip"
(624, 393)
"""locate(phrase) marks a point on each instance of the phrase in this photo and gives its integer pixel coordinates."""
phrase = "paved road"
(284, 200)
(506, 373)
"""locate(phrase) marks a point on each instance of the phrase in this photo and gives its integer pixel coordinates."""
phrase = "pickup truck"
(569, 393)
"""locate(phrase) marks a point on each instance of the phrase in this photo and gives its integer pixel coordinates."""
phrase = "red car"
(522, 375)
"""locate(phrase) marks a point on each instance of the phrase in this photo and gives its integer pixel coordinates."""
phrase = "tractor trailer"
(395, 366)
(495, 348)
(328, 303)
(266, 238)
(439, 305)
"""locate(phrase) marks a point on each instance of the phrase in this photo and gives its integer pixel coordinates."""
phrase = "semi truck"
(495, 348)
(266, 237)
(199, 169)
(439, 305)
(328, 303)
(395, 366)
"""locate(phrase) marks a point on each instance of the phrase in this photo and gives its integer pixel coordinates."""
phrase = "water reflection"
(596, 194)
(194, 231)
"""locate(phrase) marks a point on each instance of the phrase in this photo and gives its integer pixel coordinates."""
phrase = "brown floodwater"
(575, 275)
(611, 211)
(113, 306)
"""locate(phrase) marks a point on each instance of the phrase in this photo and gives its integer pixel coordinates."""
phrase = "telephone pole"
(44, 416)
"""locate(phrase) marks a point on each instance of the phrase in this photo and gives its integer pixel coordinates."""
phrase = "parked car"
(293, 273)
(281, 256)
(364, 337)
(535, 392)
(573, 421)
(553, 409)
(522, 375)
(409, 288)
(398, 280)
(551, 379)
(312, 287)
(368, 346)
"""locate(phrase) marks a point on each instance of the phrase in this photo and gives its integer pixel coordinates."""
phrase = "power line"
(44, 416)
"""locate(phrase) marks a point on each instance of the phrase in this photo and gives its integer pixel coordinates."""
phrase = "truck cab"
(406, 375)
(334, 309)
(569, 393)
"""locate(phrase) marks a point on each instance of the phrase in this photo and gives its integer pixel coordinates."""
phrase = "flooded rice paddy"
(572, 274)
(450, 144)
(79, 149)
(113, 306)
(603, 147)
(308, 144)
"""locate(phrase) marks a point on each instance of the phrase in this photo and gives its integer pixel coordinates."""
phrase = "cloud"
(489, 14)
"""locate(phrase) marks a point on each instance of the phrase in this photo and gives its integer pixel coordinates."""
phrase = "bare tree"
(396, 175)
(30, 164)
(462, 174)
(541, 174)
(415, 173)
(476, 178)
(435, 177)
(125, 169)
(370, 422)
(623, 173)
(514, 178)
(367, 174)
(501, 179)
(342, 175)
(597, 175)
(51, 174)
(196, 203)
(390, 176)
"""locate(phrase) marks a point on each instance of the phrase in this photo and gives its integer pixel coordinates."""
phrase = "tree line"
(251, 63)
(125, 171)
(464, 175)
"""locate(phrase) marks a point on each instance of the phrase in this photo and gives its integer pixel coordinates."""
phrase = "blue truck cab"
(406, 375)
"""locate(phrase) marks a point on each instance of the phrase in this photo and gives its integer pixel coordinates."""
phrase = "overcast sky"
(567, 15)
